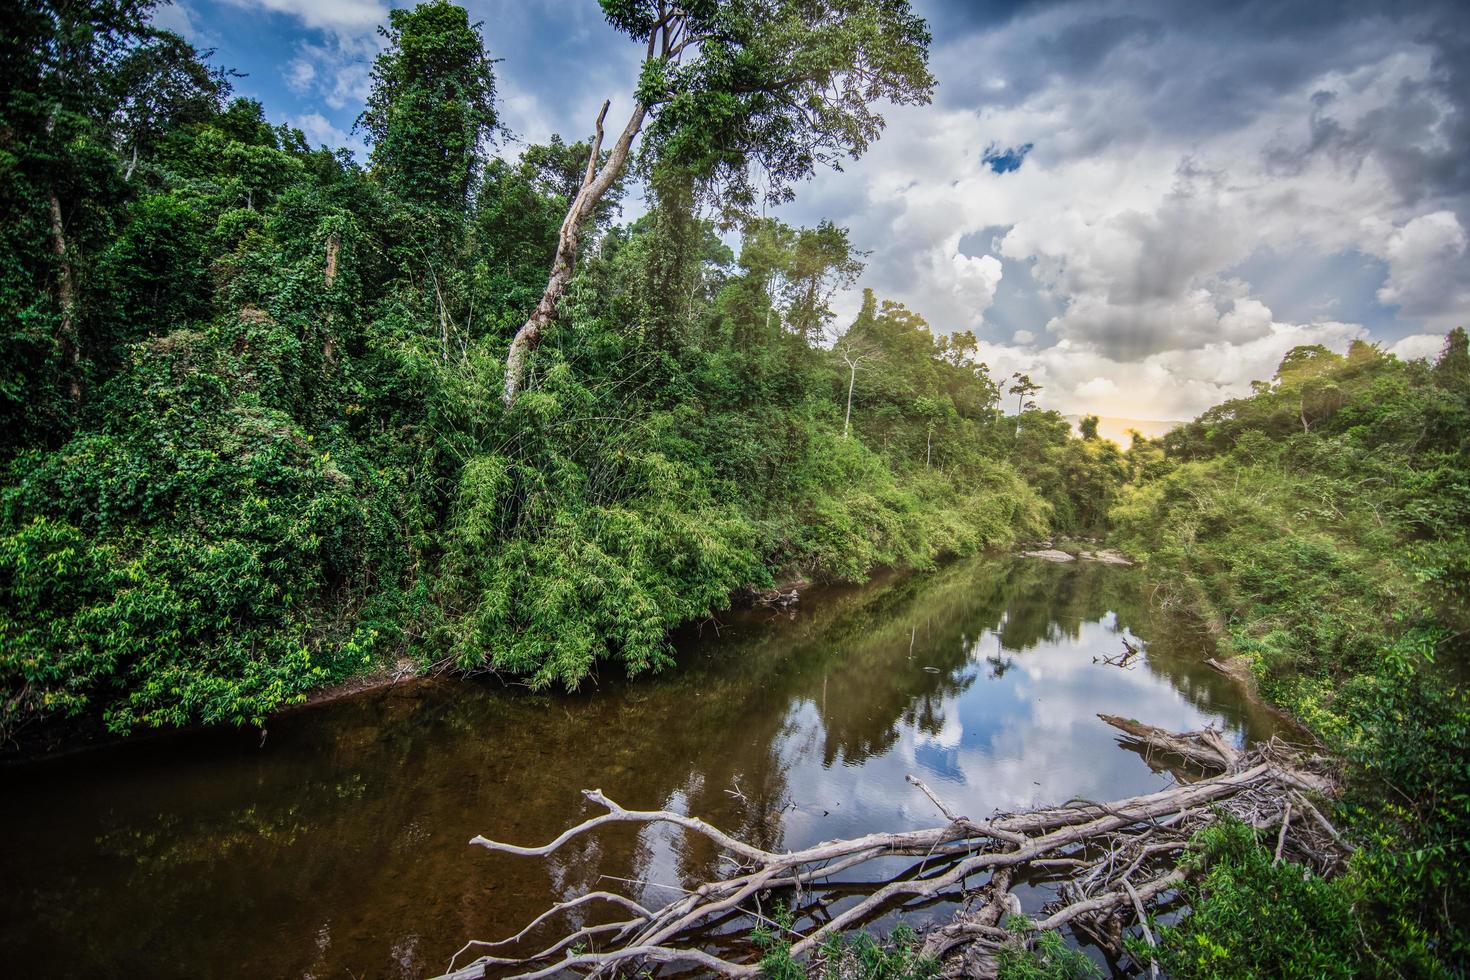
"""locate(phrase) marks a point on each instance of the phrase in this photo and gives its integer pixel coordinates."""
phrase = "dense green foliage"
(254, 437)
(432, 107)
(1321, 524)
(1041, 956)
(855, 955)
(1253, 917)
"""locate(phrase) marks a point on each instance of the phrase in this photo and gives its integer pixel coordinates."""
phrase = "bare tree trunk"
(329, 279)
(66, 296)
(334, 248)
(443, 319)
(851, 380)
(594, 185)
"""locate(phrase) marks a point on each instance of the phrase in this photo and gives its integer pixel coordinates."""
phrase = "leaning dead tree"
(745, 99)
(1108, 863)
(595, 183)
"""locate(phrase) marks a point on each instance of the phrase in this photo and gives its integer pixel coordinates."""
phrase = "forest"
(275, 418)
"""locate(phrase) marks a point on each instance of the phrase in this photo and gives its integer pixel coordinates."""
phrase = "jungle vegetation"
(271, 417)
(257, 435)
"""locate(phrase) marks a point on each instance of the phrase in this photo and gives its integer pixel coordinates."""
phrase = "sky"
(1142, 204)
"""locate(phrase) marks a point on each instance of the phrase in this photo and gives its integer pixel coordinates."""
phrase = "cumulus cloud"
(300, 74)
(1427, 269)
(177, 17)
(975, 282)
(320, 131)
(1417, 345)
(1167, 147)
(1173, 384)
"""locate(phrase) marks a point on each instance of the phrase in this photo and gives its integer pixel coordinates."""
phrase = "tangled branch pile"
(1106, 861)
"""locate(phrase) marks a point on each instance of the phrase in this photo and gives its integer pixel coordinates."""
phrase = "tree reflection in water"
(341, 844)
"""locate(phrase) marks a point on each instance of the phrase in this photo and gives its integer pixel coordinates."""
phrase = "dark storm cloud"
(1422, 139)
(1203, 67)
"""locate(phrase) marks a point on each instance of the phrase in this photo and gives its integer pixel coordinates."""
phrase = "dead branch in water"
(1124, 659)
(1108, 861)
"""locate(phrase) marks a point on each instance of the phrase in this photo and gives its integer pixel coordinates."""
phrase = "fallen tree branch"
(1090, 850)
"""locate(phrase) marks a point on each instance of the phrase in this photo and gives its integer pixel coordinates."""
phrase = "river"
(337, 846)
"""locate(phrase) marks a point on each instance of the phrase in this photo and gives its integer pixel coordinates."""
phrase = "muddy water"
(337, 848)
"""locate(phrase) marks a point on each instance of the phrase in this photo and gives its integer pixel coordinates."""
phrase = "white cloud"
(178, 18)
(1165, 155)
(1415, 346)
(339, 69)
(300, 74)
(336, 15)
(1426, 269)
(975, 282)
(319, 130)
(1097, 388)
(1167, 385)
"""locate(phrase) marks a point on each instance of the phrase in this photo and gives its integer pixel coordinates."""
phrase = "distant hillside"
(1116, 429)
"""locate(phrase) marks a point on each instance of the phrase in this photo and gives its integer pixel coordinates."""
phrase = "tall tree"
(161, 84)
(736, 88)
(1022, 387)
(1452, 370)
(822, 262)
(58, 63)
(432, 106)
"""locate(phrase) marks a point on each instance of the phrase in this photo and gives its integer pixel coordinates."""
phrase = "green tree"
(738, 87)
(1452, 370)
(1023, 388)
(822, 262)
(160, 86)
(432, 106)
(59, 189)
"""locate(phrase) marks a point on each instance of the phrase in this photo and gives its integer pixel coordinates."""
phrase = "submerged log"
(1109, 862)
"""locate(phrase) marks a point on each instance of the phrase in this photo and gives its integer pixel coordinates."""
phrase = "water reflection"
(340, 844)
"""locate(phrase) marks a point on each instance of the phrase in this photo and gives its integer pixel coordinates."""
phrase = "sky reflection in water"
(341, 844)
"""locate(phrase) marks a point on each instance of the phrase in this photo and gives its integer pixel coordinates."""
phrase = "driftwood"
(1107, 862)
(1124, 659)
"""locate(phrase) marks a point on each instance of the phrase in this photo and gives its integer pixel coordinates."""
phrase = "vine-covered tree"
(735, 88)
(432, 106)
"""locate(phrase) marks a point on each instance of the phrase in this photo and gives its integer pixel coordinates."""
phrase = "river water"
(338, 847)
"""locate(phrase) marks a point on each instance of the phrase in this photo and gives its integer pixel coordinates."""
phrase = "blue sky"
(1144, 204)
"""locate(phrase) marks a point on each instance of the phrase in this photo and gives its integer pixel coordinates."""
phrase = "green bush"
(1041, 956)
(1251, 917)
(201, 560)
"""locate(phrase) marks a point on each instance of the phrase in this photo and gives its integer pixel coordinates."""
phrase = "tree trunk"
(334, 249)
(594, 185)
(329, 279)
(66, 296)
(851, 380)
